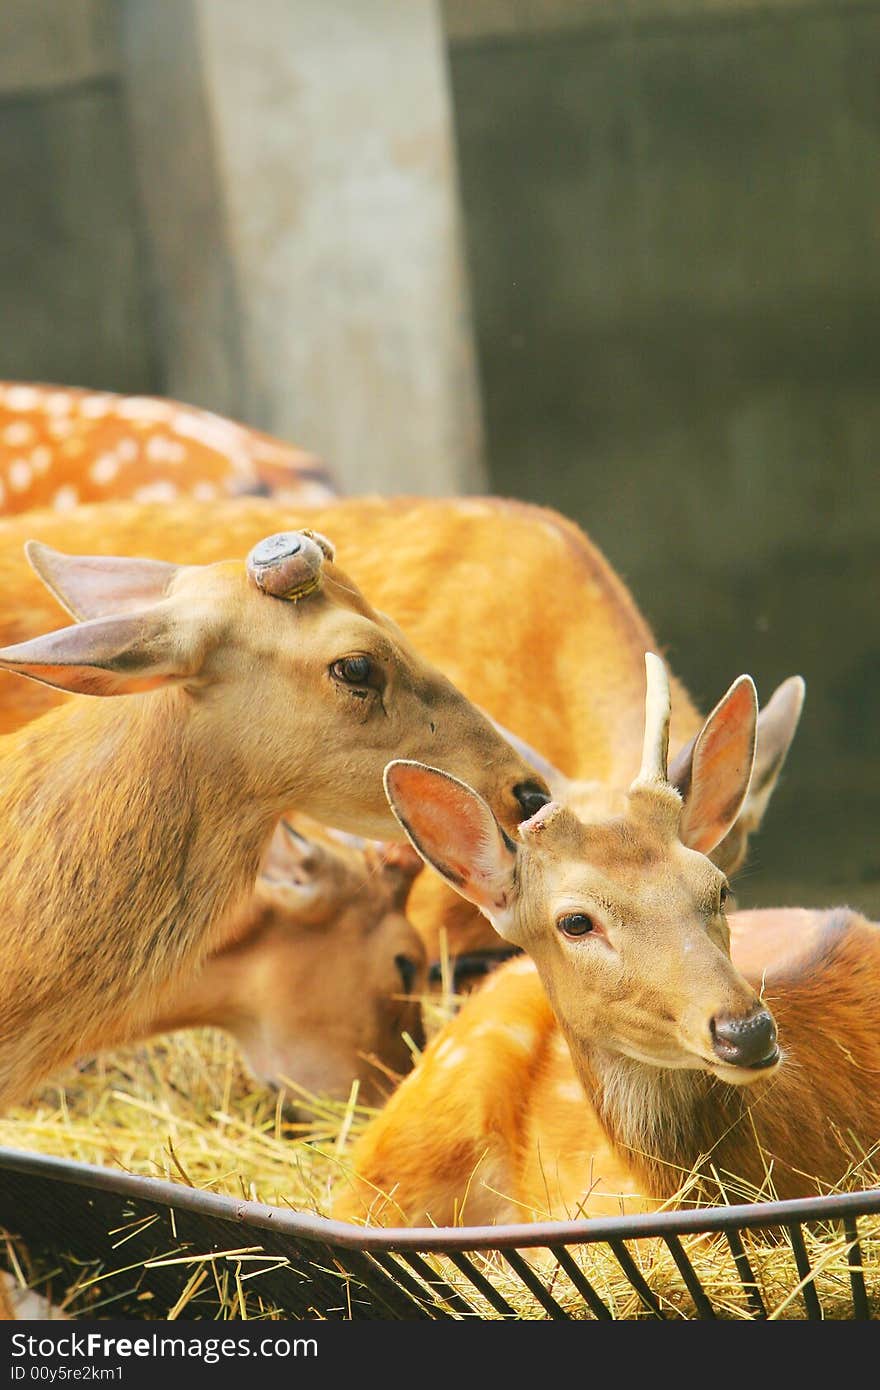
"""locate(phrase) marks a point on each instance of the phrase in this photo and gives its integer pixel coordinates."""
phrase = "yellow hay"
(181, 1108)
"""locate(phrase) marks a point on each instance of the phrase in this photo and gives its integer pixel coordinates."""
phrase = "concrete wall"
(72, 292)
(258, 217)
(675, 247)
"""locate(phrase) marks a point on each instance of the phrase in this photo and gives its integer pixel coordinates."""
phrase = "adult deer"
(132, 826)
(320, 977)
(632, 1052)
(471, 582)
(60, 446)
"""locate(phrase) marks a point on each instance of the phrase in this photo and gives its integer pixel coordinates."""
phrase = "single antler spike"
(658, 708)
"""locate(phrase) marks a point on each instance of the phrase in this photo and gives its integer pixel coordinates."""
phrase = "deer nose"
(745, 1042)
(531, 798)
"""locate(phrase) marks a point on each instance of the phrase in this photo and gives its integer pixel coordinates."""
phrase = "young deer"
(319, 980)
(134, 825)
(469, 583)
(60, 447)
(630, 1052)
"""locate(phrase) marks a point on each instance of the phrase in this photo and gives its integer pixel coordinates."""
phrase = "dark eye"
(407, 969)
(352, 670)
(723, 895)
(576, 924)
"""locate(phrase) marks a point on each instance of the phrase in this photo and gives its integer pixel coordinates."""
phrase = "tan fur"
(309, 983)
(469, 580)
(133, 825)
(613, 1135)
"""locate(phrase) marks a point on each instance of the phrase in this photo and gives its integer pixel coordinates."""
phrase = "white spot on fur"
(162, 491)
(21, 475)
(162, 449)
(144, 409)
(59, 403)
(60, 426)
(22, 397)
(127, 450)
(104, 469)
(18, 433)
(455, 1057)
(65, 498)
(570, 1091)
(96, 407)
(41, 458)
(444, 1048)
(520, 1034)
(204, 492)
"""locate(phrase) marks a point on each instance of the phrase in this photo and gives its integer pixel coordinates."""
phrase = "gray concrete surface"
(675, 247)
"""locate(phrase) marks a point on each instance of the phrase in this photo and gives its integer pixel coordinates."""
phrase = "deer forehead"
(637, 875)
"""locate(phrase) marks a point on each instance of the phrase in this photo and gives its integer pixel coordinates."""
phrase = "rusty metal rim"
(440, 1239)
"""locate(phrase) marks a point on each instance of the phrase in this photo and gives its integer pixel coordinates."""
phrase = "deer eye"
(575, 924)
(407, 970)
(723, 896)
(352, 670)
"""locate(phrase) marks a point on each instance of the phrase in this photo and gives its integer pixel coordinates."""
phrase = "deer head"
(281, 665)
(624, 916)
(322, 980)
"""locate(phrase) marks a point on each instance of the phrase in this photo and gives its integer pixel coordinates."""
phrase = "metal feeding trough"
(138, 1247)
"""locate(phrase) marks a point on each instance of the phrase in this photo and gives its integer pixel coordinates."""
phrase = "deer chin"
(743, 1076)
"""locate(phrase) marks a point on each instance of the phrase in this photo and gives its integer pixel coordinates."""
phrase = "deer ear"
(777, 726)
(455, 831)
(106, 656)
(292, 857)
(713, 772)
(94, 586)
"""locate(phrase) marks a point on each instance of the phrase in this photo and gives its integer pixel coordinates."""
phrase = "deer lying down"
(133, 826)
(630, 1051)
(320, 977)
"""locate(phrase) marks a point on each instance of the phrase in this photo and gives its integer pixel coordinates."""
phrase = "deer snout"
(531, 797)
(747, 1041)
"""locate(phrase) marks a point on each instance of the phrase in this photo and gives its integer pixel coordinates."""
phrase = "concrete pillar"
(314, 284)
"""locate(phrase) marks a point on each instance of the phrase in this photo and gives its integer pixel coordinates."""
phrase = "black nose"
(531, 797)
(745, 1042)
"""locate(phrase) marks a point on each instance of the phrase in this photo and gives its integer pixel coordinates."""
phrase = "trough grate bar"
(535, 1286)
(423, 1297)
(745, 1272)
(636, 1278)
(582, 1283)
(805, 1272)
(441, 1288)
(375, 1280)
(702, 1303)
(861, 1308)
(482, 1284)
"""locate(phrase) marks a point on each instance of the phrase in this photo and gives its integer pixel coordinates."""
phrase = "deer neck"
(128, 837)
(675, 1129)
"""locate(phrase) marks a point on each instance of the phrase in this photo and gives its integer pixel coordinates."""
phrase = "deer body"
(500, 1123)
(61, 446)
(133, 825)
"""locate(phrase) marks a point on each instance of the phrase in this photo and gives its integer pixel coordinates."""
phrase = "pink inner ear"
(96, 586)
(443, 818)
(722, 766)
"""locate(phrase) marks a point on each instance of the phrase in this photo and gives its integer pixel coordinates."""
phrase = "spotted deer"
(320, 976)
(628, 1055)
(61, 446)
(135, 824)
